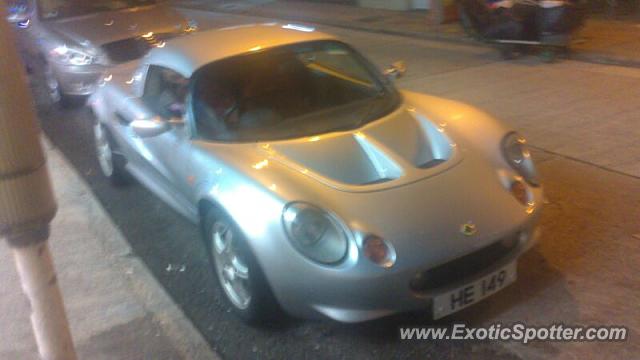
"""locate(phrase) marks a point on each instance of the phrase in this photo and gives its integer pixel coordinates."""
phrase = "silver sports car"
(320, 188)
(78, 39)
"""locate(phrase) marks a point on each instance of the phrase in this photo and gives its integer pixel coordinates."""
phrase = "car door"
(161, 161)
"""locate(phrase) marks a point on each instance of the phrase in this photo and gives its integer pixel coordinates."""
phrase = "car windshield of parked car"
(288, 92)
(58, 9)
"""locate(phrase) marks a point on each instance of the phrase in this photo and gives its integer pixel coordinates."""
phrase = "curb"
(576, 55)
(184, 337)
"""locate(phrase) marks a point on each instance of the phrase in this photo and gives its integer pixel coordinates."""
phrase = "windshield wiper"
(370, 109)
(380, 95)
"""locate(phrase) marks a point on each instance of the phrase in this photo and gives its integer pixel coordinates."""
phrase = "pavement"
(116, 309)
(577, 110)
(601, 40)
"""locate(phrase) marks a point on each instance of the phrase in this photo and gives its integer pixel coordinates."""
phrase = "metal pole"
(27, 205)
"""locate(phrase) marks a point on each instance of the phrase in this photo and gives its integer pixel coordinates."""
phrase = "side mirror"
(149, 127)
(396, 70)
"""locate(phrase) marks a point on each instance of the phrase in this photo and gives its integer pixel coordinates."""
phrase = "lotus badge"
(468, 229)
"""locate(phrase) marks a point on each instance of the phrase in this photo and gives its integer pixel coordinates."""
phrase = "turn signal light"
(379, 251)
(520, 191)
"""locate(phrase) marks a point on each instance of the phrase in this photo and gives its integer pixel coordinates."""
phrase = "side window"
(165, 92)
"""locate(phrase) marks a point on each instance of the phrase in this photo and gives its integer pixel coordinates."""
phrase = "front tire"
(56, 96)
(241, 280)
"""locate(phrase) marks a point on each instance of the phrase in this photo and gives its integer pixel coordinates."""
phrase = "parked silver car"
(320, 188)
(78, 39)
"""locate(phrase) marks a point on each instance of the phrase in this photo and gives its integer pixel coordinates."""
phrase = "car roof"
(188, 53)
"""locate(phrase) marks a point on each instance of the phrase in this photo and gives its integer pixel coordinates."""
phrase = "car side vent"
(437, 148)
(385, 167)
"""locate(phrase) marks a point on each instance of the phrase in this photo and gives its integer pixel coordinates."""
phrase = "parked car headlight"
(314, 232)
(516, 153)
(69, 56)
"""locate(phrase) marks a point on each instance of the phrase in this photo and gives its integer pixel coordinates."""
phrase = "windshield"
(287, 92)
(57, 9)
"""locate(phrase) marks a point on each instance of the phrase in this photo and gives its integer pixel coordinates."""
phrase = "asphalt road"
(581, 273)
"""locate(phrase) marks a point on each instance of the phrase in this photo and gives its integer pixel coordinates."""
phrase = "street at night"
(582, 122)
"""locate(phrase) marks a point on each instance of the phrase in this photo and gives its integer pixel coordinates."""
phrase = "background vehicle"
(517, 24)
(319, 187)
(77, 40)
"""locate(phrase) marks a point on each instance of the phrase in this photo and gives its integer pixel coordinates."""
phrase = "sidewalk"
(600, 41)
(116, 308)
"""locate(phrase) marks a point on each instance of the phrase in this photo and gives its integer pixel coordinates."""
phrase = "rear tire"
(237, 272)
(112, 165)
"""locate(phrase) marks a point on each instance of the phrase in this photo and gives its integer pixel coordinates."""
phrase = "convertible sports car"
(77, 39)
(320, 188)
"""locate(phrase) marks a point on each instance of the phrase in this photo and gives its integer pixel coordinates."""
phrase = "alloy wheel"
(53, 86)
(231, 269)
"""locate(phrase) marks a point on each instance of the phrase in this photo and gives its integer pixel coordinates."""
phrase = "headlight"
(516, 153)
(315, 233)
(68, 56)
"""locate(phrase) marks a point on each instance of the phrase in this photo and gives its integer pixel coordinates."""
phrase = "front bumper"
(77, 80)
(362, 291)
(424, 223)
(398, 296)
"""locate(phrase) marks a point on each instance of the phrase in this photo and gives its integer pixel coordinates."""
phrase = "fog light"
(379, 251)
(520, 191)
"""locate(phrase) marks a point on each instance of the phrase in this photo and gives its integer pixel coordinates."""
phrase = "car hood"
(401, 148)
(104, 27)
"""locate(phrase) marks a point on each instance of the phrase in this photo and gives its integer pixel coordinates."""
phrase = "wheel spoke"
(240, 269)
(232, 272)
(218, 243)
(227, 235)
